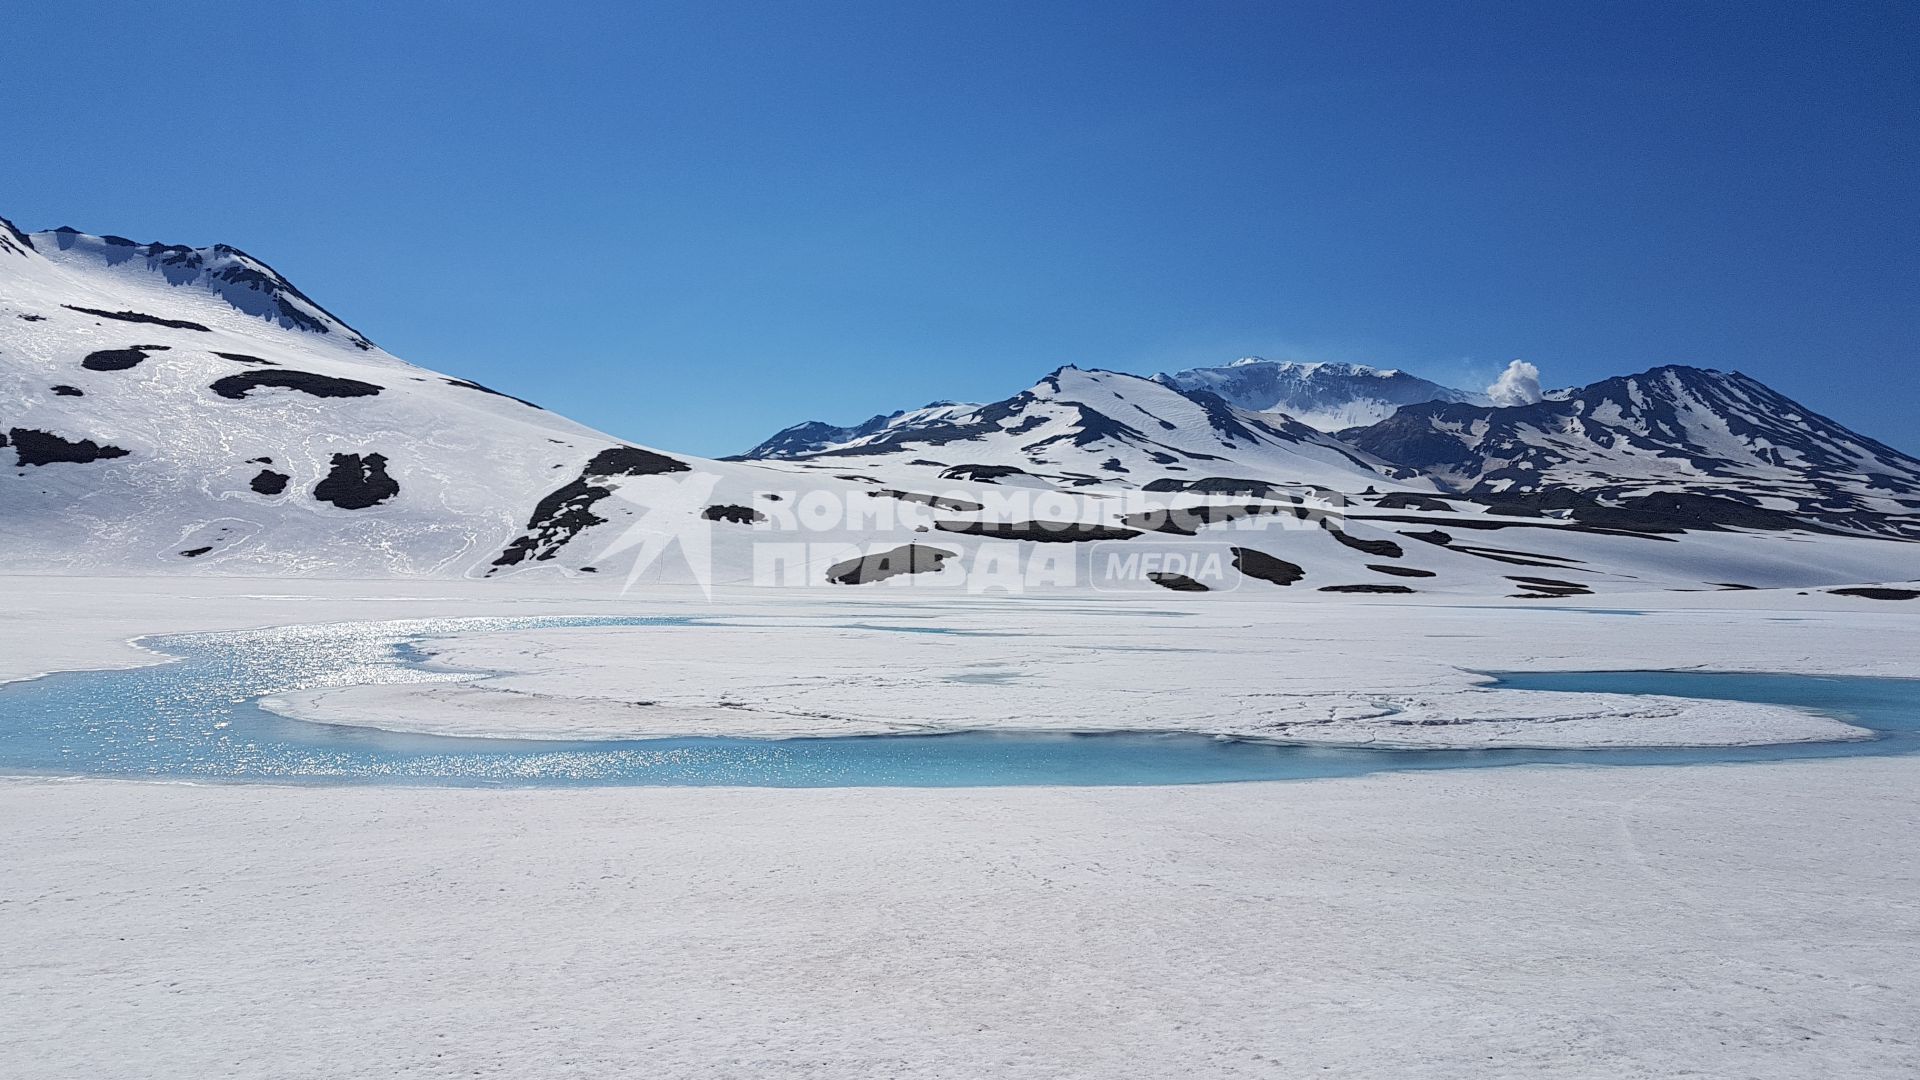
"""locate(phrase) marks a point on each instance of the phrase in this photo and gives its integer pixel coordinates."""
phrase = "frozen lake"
(196, 718)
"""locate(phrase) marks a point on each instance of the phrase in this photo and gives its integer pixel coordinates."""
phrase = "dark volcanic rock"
(1040, 531)
(938, 502)
(463, 383)
(1403, 500)
(137, 317)
(564, 512)
(1399, 571)
(356, 482)
(1177, 582)
(1433, 536)
(269, 482)
(739, 515)
(1549, 584)
(1261, 565)
(13, 241)
(194, 553)
(631, 461)
(1385, 549)
(1220, 485)
(236, 387)
(981, 473)
(119, 359)
(34, 447)
(1874, 592)
(1365, 588)
(243, 358)
(1188, 520)
(910, 559)
(68, 391)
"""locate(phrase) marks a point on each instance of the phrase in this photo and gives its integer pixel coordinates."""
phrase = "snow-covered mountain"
(188, 410)
(1080, 428)
(1672, 432)
(815, 436)
(1328, 396)
(162, 405)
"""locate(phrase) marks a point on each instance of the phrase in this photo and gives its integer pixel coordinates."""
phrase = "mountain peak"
(244, 282)
(1327, 395)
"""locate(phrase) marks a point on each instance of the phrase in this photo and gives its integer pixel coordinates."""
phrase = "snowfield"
(1742, 921)
(1382, 676)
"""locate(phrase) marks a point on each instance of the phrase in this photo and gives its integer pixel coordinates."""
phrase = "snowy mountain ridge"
(1082, 427)
(1670, 431)
(166, 409)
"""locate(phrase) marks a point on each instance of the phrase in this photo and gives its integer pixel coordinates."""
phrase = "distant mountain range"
(1081, 428)
(177, 409)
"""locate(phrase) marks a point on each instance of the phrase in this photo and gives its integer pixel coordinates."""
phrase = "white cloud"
(1518, 385)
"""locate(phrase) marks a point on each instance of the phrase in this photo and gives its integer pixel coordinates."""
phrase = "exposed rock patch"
(738, 515)
(1259, 564)
(1385, 549)
(564, 512)
(119, 359)
(68, 391)
(465, 384)
(236, 387)
(138, 317)
(356, 482)
(1177, 582)
(268, 482)
(1365, 588)
(1189, 520)
(34, 447)
(1399, 571)
(1874, 592)
(1056, 532)
(938, 502)
(909, 559)
(982, 473)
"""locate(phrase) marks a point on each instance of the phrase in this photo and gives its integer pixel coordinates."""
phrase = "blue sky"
(691, 224)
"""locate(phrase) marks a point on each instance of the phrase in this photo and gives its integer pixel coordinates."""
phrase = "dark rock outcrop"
(137, 317)
(268, 482)
(32, 446)
(908, 559)
(1875, 592)
(356, 482)
(235, 387)
(1055, 532)
(1259, 564)
(565, 512)
(119, 359)
(739, 515)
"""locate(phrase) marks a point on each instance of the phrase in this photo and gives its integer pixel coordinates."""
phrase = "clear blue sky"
(694, 223)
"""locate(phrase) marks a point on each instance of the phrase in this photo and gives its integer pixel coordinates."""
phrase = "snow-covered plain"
(1752, 921)
(1736, 921)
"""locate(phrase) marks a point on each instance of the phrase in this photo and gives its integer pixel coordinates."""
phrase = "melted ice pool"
(196, 718)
